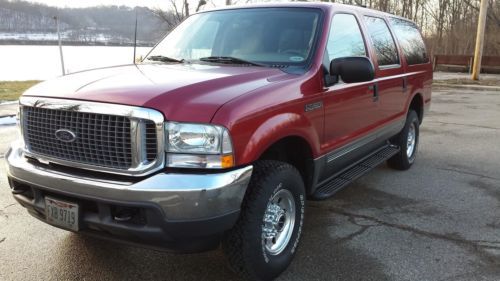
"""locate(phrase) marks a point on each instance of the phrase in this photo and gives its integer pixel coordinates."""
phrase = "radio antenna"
(135, 35)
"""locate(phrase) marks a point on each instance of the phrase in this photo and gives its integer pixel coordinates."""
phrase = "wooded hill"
(25, 21)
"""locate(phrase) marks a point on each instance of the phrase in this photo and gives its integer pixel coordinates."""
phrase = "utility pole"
(60, 45)
(481, 26)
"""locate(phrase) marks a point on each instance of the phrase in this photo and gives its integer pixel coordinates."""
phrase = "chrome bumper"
(181, 196)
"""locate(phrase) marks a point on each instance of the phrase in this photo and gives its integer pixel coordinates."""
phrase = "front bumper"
(171, 208)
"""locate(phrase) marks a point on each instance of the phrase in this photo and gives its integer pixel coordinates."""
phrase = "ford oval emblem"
(65, 135)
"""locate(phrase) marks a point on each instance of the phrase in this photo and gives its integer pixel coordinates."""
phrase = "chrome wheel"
(278, 222)
(411, 141)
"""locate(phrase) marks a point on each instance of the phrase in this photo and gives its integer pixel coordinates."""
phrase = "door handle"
(374, 89)
(405, 84)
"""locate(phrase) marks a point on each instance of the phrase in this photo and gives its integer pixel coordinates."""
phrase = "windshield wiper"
(229, 60)
(164, 59)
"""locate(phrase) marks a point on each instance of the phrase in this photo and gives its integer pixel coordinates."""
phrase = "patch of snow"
(7, 121)
(8, 102)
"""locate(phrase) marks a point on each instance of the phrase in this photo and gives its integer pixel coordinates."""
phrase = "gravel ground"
(438, 221)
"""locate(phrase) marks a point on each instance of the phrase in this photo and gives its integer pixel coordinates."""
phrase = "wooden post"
(471, 63)
(478, 53)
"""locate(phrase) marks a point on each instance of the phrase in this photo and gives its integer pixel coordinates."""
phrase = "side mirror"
(353, 69)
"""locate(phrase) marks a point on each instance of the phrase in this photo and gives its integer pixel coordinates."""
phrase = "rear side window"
(385, 47)
(345, 38)
(410, 41)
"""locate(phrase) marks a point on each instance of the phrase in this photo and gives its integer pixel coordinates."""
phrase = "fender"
(412, 96)
(418, 89)
(276, 128)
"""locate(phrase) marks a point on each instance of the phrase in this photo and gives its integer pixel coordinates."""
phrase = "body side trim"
(386, 131)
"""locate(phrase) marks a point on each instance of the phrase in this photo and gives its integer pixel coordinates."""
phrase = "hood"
(182, 92)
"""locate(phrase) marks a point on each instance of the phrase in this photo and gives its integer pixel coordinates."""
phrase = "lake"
(22, 62)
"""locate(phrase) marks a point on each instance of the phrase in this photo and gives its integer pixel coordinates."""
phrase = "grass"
(11, 90)
(483, 82)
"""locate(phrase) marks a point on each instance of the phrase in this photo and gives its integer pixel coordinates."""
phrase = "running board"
(352, 173)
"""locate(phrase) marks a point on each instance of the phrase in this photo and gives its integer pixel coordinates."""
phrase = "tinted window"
(383, 42)
(345, 39)
(410, 41)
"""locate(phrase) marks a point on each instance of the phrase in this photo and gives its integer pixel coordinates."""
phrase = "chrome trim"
(385, 132)
(181, 196)
(350, 147)
(390, 66)
(278, 222)
(134, 113)
(411, 141)
(73, 135)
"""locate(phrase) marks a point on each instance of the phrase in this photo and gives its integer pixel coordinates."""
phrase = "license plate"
(61, 213)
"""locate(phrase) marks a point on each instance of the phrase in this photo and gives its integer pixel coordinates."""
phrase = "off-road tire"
(244, 245)
(402, 161)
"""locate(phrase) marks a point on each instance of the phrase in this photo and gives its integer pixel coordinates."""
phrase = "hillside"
(28, 23)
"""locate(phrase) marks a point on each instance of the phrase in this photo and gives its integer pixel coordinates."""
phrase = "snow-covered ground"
(65, 35)
(28, 36)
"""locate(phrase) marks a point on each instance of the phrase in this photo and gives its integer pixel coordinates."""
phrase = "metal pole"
(135, 35)
(60, 46)
(478, 53)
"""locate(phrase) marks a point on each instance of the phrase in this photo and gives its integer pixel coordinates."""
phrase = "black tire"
(245, 245)
(403, 161)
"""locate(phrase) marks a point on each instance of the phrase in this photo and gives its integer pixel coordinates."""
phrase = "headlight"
(198, 146)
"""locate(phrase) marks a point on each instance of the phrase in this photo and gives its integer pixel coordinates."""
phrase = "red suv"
(222, 132)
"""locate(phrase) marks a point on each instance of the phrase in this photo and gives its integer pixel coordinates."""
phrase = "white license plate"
(61, 213)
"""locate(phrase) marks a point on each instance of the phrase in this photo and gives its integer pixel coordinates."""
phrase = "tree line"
(449, 26)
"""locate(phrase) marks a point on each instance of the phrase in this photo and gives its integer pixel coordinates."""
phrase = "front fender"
(274, 129)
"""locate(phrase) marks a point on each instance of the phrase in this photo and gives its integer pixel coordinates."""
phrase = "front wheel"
(407, 140)
(265, 238)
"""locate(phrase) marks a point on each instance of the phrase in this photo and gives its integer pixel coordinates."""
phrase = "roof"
(318, 5)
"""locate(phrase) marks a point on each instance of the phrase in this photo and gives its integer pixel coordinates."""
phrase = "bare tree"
(177, 13)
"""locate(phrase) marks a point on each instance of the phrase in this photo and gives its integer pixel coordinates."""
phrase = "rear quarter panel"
(420, 82)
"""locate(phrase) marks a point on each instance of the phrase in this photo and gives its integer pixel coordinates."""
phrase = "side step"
(352, 173)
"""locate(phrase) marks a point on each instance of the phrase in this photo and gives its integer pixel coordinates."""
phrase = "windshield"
(283, 36)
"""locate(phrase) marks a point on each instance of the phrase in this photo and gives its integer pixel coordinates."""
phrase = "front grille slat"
(150, 139)
(101, 139)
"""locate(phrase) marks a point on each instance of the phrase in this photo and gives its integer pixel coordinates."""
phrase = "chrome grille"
(101, 140)
(104, 137)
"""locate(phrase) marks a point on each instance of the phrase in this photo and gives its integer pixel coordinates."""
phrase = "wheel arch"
(417, 104)
(295, 151)
(287, 137)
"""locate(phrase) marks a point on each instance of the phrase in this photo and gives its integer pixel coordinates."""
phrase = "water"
(19, 62)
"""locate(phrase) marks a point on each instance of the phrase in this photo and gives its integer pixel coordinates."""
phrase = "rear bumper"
(178, 211)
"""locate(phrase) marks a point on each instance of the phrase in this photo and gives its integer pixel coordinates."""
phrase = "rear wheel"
(407, 140)
(265, 238)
